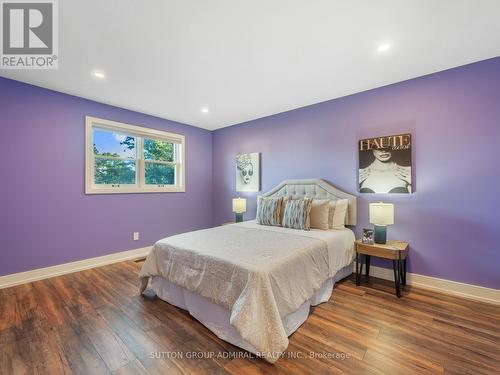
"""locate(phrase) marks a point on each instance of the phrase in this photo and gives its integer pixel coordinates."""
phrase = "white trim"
(474, 292)
(134, 129)
(62, 269)
(140, 132)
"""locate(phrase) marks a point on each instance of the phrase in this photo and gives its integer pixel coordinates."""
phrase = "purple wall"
(46, 217)
(452, 221)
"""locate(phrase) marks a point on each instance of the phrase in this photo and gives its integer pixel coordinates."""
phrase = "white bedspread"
(260, 273)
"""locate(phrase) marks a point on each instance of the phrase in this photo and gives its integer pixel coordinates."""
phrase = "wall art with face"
(385, 164)
(248, 172)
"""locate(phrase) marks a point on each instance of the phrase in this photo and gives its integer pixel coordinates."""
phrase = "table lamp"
(381, 215)
(239, 207)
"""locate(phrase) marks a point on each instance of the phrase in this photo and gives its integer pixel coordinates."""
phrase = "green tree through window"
(158, 155)
(112, 171)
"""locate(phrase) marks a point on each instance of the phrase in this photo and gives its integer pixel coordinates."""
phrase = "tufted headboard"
(314, 188)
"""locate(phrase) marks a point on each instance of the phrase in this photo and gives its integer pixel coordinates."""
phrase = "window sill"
(132, 191)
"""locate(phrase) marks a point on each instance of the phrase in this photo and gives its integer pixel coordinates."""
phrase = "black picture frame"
(368, 236)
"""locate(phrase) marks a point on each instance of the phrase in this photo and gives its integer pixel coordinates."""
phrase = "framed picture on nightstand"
(368, 235)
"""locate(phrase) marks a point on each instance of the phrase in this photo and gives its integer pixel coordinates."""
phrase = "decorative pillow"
(283, 205)
(269, 211)
(338, 213)
(320, 209)
(297, 214)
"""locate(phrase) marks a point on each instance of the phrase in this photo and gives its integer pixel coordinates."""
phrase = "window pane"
(158, 150)
(114, 171)
(113, 144)
(160, 174)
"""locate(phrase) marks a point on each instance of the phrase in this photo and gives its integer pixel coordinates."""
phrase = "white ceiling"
(249, 59)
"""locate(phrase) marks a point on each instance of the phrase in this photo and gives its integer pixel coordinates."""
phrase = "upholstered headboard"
(314, 188)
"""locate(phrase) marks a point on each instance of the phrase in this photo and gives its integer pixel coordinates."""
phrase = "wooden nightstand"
(397, 251)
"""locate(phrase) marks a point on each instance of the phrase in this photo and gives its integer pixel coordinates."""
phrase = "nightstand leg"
(367, 265)
(395, 266)
(400, 269)
(404, 272)
(359, 263)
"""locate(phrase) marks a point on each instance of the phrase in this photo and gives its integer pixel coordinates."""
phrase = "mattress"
(260, 274)
(217, 318)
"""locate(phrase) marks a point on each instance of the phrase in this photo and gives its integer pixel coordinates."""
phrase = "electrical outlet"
(136, 236)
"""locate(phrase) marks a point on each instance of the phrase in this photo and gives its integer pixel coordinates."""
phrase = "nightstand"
(397, 251)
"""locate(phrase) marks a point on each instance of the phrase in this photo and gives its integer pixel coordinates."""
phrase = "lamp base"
(380, 234)
(238, 218)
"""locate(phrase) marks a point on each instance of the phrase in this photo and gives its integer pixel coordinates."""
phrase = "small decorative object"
(248, 172)
(239, 207)
(367, 236)
(385, 164)
(381, 215)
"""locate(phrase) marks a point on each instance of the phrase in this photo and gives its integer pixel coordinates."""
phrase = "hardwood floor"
(94, 322)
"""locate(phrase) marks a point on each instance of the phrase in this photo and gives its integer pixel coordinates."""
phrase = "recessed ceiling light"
(384, 47)
(204, 110)
(98, 74)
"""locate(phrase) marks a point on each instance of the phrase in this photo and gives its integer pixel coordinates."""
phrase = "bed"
(250, 284)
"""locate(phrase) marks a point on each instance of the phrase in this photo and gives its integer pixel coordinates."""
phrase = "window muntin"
(123, 158)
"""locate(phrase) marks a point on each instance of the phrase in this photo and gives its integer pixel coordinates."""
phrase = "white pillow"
(338, 213)
(320, 210)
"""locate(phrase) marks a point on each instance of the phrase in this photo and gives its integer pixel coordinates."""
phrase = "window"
(123, 158)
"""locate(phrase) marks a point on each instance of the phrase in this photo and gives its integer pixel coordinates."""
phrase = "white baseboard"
(474, 292)
(62, 269)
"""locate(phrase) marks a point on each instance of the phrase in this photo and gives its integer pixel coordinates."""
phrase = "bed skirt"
(216, 318)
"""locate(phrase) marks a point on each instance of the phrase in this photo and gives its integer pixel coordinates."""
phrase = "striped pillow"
(297, 214)
(269, 211)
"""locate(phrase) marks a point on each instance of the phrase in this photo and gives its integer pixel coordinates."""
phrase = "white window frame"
(140, 132)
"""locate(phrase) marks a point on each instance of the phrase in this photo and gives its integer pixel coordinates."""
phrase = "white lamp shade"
(239, 205)
(381, 214)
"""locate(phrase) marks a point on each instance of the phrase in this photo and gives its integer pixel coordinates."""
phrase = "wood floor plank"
(350, 328)
(106, 342)
(136, 340)
(134, 367)
(478, 336)
(126, 297)
(95, 322)
(49, 303)
(439, 350)
(160, 366)
(27, 303)
(342, 362)
(245, 366)
(9, 310)
(396, 365)
(80, 353)
(12, 360)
